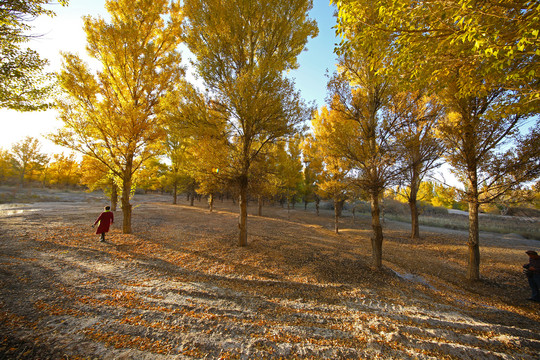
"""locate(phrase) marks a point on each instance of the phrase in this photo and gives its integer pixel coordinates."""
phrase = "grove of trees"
(417, 84)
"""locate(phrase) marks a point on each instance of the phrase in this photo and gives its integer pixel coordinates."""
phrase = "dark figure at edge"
(532, 271)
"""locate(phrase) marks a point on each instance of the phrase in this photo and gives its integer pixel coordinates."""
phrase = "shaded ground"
(180, 288)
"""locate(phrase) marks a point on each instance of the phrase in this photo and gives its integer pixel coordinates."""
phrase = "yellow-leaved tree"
(334, 181)
(95, 175)
(475, 134)
(313, 171)
(289, 169)
(28, 160)
(364, 135)
(197, 142)
(112, 114)
(6, 166)
(63, 170)
(419, 149)
(243, 48)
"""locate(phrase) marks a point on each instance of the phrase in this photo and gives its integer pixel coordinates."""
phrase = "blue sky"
(64, 33)
(311, 76)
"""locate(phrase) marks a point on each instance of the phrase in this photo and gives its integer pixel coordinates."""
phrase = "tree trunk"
(317, 203)
(260, 205)
(114, 196)
(23, 172)
(175, 193)
(415, 228)
(474, 246)
(242, 219)
(473, 242)
(377, 238)
(191, 199)
(336, 215)
(211, 202)
(415, 186)
(126, 206)
(288, 208)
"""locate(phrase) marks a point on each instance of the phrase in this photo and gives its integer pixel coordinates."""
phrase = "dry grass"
(523, 226)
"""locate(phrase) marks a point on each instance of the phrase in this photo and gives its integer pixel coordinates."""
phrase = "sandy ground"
(180, 288)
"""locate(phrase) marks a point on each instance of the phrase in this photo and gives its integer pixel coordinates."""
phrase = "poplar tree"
(27, 158)
(289, 169)
(334, 180)
(243, 48)
(419, 149)
(482, 144)
(361, 93)
(313, 169)
(112, 114)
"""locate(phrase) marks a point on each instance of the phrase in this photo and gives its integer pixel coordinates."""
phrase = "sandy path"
(180, 288)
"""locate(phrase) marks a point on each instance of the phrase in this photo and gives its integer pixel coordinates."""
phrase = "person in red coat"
(105, 220)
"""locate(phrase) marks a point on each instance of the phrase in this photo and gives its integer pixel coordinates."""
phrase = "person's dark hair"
(107, 208)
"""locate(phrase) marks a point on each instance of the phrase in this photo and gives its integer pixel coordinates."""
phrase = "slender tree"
(27, 157)
(6, 166)
(197, 141)
(474, 134)
(313, 169)
(419, 149)
(175, 151)
(243, 48)
(63, 170)
(289, 168)
(334, 180)
(367, 137)
(113, 115)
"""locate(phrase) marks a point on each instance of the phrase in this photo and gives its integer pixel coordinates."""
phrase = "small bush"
(394, 207)
(425, 208)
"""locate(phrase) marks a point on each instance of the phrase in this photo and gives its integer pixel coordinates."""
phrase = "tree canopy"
(499, 39)
(23, 84)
